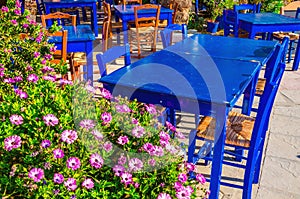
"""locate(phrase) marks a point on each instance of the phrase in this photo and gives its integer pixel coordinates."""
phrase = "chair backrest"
(105, 35)
(273, 63)
(151, 21)
(110, 55)
(40, 6)
(291, 7)
(166, 34)
(60, 54)
(58, 16)
(230, 22)
(245, 8)
(132, 2)
(174, 6)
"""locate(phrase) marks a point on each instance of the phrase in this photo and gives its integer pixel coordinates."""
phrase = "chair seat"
(144, 29)
(238, 132)
(281, 35)
(260, 86)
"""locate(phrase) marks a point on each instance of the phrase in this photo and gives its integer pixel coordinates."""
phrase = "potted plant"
(214, 9)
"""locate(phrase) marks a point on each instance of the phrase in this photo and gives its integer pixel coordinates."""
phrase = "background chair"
(42, 10)
(247, 8)
(110, 55)
(293, 37)
(132, 2)
(230, 23)
(145, 30)
(166, 34)
(242, 131)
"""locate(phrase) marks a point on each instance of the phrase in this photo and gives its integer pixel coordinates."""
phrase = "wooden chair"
(294, 37)
(173, 6)
(166, 34)
(58, 16)
(108, 17)
(145, 30)
(60, 55)
(242, 131)
(247, 8)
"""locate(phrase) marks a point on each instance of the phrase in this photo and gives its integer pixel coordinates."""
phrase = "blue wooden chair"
(230, 23)
(249, 8)
(242, 131)
(110, 55)
(293, 37)
(166, 34)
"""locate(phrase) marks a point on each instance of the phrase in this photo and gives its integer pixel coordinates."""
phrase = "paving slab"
(273, 193)
(285, 125)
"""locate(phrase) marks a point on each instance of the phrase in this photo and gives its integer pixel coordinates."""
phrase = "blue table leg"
(218, 152)
(89, 61)
(125, 35)
(94, 19)
(296, 60)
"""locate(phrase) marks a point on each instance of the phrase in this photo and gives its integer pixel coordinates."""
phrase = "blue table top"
(268, 18)
(68, 1)
(129, 9)
(76, 33)
(219, 46)
(186, 76)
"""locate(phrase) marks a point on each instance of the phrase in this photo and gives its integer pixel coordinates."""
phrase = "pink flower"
(170, 126)
(58, 153)
(123, 140)
(58, 178)
(164, 196)
(152, 162)
(46, 69)
(151, 109)
(122, 160)
(138, 131)
(105, 93)
(49, 78)
(73, 163)
(70, 184)
(126, 178)
(17, 11)
(190, 166)
(148, 147)
(12, 142)
(123, 108)
(46, 143)
(106, 118)
(107, 146)
(97, 135)
(50, 120)
(25, 25)
(96, 161)
(182, 177)
(14, 22)
(157, 151)
(118, 169)
(21, 94)
(164, 136)
(87, 124)
(200, 178)
(16, 119)
(134, 121)
(69, 136)
(4, 9)
(32, 78)
(36, 54)
(88, 183)
(36, 174)
(179, 135)
(135, 164)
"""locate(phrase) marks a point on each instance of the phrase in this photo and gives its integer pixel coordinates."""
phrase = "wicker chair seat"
(281, 35)
(260, 86)
(238, 132)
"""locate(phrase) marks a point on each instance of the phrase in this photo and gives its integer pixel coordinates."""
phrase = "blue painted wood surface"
(52, 4)
(223, 47)
(80, 39)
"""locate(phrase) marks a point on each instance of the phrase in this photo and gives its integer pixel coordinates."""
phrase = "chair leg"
(239, 152)
(191, 150)
(138, 44)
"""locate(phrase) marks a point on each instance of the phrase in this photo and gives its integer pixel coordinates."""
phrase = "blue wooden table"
(269, 23)
(191, 82)
(126, 14)
(234, 48)
(80, 39)
(53, 4)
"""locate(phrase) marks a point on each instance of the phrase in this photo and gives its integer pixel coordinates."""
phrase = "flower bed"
(57, 140)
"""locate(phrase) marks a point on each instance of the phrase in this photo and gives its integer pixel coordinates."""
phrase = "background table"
(80, 39)
(196, 83)
(269, 23)
(53, 4)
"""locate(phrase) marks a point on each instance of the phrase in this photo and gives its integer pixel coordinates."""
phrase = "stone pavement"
(280, 173)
